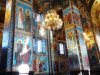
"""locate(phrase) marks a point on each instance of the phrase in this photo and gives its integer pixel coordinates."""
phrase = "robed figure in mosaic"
(20, 20)
(27, 21)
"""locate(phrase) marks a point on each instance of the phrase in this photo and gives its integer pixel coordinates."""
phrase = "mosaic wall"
(22, 53)
(22, 50)
(74, 32)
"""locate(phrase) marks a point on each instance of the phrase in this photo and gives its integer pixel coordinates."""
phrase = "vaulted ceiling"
(45, 4)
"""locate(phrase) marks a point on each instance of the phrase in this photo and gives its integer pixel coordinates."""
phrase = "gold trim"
(95, 13)
(25, 3)
(22, 32)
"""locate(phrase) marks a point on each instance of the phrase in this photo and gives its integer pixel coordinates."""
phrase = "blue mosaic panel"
(22, 50)
(23, 17)
(43, 64)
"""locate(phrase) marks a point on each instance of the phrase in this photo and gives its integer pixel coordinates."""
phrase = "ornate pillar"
(77, 51)
(90, 35)
(8, 37)
(22, 51)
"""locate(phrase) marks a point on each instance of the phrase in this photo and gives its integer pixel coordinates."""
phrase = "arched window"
(39, 46)
(61, 48)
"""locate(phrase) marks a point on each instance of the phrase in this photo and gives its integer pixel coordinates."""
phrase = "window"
(39, 46)
(39, 17)
(42, 32)
(61, 47)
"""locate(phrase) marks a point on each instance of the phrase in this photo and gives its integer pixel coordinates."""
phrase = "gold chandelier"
(52, 20)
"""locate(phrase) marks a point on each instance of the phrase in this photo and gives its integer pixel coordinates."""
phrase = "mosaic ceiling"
(41, 6)
(44, 5)
(95, 13)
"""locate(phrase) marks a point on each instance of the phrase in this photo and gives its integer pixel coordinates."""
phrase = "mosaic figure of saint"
(65, 19)
(34, 65)
(27, 21)
(20, 20)
(25, 54)
(42, 66)
(71, 39)
(69, 18)
(19, 47)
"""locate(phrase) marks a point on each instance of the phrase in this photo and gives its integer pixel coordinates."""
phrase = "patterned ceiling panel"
(44, 5)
